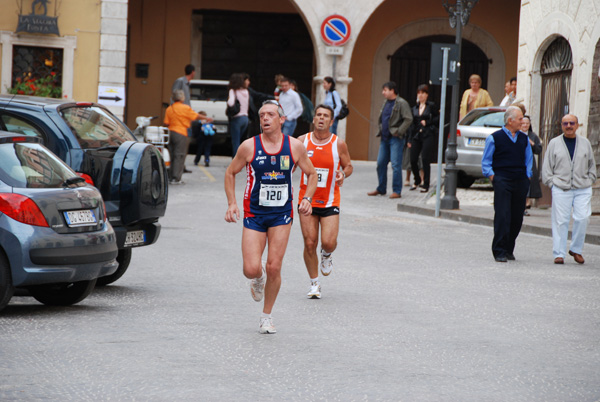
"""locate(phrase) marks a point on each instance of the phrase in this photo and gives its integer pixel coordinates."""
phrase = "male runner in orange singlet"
(329, 154)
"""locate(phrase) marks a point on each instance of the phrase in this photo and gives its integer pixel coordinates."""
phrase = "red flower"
(20, 92)
(52, 73)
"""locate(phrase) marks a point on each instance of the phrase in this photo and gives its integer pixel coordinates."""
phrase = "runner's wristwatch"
(309, 199)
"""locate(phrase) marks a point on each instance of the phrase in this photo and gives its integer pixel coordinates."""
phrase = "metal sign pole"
(334, 62)
(438, 188)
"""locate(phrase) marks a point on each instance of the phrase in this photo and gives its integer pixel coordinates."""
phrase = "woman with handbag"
(332, 98)
(237, 109)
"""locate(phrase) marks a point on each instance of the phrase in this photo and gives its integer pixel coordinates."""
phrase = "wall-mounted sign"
(37, 20)
(111, 96)
(334, 50)
(335, 30)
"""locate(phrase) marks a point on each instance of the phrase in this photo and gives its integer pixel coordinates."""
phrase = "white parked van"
(210, 96)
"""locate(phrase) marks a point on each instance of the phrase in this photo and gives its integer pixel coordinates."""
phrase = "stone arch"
(428, 27)
(551, 28)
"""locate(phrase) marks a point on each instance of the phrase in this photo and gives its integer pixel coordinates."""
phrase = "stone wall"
(113, 47)
(593, 131)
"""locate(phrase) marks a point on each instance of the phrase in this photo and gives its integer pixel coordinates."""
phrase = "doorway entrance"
(410, 67)
(557, 64)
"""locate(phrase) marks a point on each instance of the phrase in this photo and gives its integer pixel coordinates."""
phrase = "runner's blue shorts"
(261, 223)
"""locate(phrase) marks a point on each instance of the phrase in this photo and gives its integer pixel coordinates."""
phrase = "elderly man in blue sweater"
(507, 161)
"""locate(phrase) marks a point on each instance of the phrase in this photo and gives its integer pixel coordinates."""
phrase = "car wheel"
(463, 180)
(63, 294)
(123, 258)
(6, 287)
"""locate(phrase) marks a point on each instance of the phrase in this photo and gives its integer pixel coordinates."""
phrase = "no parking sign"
(335, 30)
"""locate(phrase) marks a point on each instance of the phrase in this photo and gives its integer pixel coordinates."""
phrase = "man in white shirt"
(510, 88)
(292, 107)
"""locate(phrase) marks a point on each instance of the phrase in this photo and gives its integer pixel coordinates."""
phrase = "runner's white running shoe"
(326, 263)
(315, 291)
(257, 286)
(266, 326)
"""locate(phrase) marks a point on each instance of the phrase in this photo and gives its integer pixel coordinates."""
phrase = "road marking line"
(207, 174)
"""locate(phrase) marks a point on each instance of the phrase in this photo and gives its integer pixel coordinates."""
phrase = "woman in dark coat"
(535, 190)
(423, 136)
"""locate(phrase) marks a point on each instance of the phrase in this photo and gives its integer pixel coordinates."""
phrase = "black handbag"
(233, 110)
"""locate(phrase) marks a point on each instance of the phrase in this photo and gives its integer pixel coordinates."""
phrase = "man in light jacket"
(570, 170)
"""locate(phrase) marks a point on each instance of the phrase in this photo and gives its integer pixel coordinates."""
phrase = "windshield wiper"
(73, 180)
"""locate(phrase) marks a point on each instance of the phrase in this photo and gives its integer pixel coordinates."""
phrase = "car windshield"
(95, 127)
(484, 118)
(206, 92)
(31, 165)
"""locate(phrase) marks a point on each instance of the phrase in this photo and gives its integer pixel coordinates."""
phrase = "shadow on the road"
(118, 291)
(33, 309)
(22, 304)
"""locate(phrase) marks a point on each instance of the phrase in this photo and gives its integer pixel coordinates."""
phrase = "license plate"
(220, 128)
(84, 217)
(477, 142)
(134, 238)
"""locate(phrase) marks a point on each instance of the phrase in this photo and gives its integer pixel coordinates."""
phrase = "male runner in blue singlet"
(269, 159)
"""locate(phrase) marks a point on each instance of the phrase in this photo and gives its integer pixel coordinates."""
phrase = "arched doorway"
(410, 67)
(556, 68)
(424, 28)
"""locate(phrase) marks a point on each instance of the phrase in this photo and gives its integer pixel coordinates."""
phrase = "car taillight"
(22, 209)
(458, 133)
(87, 178)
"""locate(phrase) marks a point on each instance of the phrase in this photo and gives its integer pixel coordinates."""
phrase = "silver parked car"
(471, 133)
(55, 240)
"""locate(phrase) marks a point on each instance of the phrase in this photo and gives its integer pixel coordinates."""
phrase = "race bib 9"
(322, 175)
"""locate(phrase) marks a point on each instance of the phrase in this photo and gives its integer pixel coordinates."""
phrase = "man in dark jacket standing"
(394, 120)
(507, 161)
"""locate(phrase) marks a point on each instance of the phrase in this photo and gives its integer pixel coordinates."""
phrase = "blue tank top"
(269, 180)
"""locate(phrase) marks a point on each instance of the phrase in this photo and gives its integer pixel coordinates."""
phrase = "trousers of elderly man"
(509, 205)
(578, 201)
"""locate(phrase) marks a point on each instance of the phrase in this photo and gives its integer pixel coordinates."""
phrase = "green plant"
(46, 86)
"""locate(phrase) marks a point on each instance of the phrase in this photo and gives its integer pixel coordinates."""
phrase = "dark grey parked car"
(130, 175)
(55, 239)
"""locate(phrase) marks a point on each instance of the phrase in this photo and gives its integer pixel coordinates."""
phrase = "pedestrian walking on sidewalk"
(269, 159)
(330, 157)
(507, 161)
(569, 170)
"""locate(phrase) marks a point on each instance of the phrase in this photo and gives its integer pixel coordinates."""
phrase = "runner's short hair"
(273, 102)
(323, 106)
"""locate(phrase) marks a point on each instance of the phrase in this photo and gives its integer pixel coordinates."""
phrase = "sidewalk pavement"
(476, 206)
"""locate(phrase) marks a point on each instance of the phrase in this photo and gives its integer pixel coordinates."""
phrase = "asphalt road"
(416, 309)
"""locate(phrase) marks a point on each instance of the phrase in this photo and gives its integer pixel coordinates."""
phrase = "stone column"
(113, 47)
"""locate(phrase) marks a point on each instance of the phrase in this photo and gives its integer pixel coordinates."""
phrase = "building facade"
(165, 36)
(85, 52)
(559, 68)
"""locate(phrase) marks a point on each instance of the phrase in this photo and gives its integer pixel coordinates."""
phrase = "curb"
(477, 220)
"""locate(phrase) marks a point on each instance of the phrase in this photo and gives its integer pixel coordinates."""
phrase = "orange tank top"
(326, 161)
